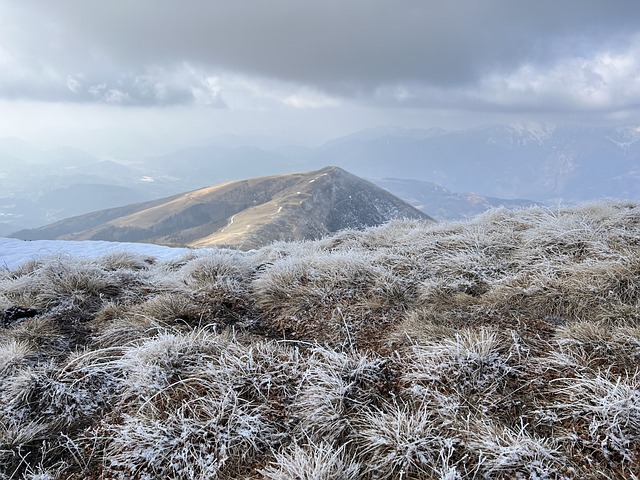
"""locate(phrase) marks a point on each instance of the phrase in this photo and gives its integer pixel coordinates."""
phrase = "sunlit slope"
(245, 213)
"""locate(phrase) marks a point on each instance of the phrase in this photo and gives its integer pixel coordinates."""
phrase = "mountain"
(443, 204)
(244, 213)
(64, 201)
(42, 186)
(545, 163)
(389, 131)
(198, 166)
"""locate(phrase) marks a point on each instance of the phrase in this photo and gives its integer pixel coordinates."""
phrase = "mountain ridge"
(546, 163)
(243, 213)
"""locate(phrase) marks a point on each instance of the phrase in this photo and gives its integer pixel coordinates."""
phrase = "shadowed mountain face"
(245, 213)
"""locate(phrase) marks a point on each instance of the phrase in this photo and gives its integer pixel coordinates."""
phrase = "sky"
(117, 76)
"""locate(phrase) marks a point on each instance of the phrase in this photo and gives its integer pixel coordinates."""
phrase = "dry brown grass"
(503, 347)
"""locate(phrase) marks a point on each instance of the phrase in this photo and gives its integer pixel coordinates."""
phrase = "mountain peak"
(243, 213)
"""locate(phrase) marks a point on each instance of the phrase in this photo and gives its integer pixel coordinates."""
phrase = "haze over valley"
(489, 104)
(446, 174)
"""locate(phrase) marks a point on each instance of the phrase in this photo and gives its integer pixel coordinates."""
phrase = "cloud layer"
(495, 54)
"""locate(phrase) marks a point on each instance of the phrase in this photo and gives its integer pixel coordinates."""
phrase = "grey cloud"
(350, 49)
(338, 44)
(139, 89)
(179, 86)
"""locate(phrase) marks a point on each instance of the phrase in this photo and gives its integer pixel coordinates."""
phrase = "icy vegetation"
(503, 347)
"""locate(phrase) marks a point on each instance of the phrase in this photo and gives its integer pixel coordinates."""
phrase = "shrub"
(311, 461)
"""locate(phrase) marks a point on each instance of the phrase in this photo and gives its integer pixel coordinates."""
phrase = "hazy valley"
(447, 174)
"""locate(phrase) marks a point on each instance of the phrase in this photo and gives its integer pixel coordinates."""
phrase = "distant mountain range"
(543, 163)
(245, 214)
(41, 186)
(443, 204)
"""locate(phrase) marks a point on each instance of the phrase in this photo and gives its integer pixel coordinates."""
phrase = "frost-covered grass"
(503, 347)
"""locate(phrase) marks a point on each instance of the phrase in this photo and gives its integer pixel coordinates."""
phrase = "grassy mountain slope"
(502, 347)
(246, 213)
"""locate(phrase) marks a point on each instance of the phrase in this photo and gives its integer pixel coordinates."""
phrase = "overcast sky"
(115, 73)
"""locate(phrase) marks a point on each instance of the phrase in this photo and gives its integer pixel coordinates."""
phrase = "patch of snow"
(229, 224)
(14, 252)
(147, 179)
(523, 133)
(624, 137)
(532, 131)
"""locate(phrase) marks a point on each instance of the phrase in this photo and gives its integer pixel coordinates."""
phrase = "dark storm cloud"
(345, 48)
